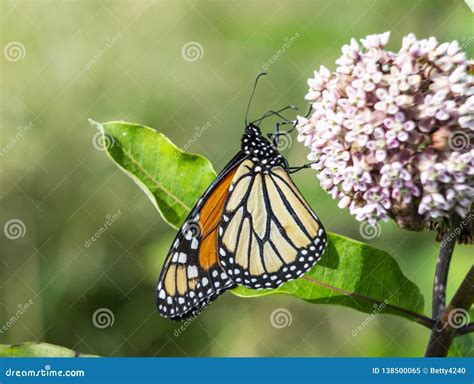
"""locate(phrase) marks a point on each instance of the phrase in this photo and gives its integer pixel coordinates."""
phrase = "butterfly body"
(257, 148)
(252, 227)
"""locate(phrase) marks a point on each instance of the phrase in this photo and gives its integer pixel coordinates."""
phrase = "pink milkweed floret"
(390, 132)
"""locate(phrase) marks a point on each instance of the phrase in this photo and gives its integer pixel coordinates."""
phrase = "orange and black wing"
(192, 275)
(268, 232)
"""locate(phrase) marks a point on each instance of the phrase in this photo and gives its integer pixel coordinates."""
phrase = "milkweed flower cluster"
(390, 132)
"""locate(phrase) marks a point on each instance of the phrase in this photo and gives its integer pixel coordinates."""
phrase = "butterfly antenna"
(251, 96)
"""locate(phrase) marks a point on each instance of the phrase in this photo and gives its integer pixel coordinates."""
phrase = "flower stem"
(469, 328)
(449, 325)
(442, 268)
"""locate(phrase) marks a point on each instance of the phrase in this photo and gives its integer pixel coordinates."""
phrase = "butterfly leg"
(286, 121)
(296, 169)
(274, 113)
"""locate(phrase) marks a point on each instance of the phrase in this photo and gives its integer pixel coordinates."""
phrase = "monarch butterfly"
(251, 227)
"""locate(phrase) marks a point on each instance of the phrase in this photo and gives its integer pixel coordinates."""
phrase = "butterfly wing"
(192, 275)
(268, 232)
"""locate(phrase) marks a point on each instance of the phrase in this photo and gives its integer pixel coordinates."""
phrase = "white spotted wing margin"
(185, 286)
(268, 233)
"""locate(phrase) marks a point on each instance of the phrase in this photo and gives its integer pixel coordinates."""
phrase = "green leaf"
(172, 179)
(470, 4)
(32, 349)
(350, 273)
(355, 275)
(462, 346)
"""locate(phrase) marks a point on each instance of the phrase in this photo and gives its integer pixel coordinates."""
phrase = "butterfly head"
(259, 149)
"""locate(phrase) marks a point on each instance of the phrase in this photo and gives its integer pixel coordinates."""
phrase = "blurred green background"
(127, 60)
